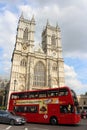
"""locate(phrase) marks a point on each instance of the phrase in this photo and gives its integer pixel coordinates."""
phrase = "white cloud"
(74, 30)
(8, 23)
(7, 32)
(74, 54)
(71, 80)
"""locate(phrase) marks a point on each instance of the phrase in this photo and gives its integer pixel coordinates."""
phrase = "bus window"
(14, 96)
(36, 95)
(67, 108)
(19, 108)
(70, 108)
(42, 94)
(63, 109)
(22, 95)
(19, 96)
(32, 109)
(15, 109)
(52, 93)
(63, 92)
(26, 109)
(33, 95)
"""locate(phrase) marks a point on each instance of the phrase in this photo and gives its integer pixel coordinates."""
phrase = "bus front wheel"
(53, 120)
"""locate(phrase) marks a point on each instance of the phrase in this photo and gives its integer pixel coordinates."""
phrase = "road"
(28, 126)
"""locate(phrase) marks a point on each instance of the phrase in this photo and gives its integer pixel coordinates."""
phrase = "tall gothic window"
(53, 40)
(23, 63)
(39, 75)
(25, 35)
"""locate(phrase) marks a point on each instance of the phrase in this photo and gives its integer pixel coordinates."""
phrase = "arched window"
(23, 63)
(39, 75)
(25, 35)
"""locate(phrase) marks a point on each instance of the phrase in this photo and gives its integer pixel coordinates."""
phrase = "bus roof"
(38, 90)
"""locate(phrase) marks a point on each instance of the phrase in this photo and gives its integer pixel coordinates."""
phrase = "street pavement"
(32, 126)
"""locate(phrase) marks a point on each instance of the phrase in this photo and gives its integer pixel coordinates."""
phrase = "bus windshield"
(74, 97)
(77, 109)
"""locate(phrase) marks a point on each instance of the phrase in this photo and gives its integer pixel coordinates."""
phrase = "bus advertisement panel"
(43, 109)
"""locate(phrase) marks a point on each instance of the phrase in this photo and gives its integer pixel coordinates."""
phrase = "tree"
(86, 93)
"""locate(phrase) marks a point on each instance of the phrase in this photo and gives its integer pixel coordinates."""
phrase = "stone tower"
(23, 47)
(51, 45)
(36, 69)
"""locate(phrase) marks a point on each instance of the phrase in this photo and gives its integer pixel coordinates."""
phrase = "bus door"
(66, 112)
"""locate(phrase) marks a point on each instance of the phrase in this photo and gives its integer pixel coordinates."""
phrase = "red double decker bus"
(55, 106)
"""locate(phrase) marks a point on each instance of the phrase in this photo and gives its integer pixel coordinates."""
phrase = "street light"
(15, 81)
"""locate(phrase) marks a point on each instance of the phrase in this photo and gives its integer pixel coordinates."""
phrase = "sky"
(70, 15)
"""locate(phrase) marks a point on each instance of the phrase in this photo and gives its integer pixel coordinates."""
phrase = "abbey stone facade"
(36, 69)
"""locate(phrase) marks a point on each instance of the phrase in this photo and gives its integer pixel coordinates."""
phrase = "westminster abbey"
(36, 69)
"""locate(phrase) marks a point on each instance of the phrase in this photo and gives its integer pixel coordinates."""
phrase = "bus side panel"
(66, 118)
(11, 105)
(69, 118)
(53, 110)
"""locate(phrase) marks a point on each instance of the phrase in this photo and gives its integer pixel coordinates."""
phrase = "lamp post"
(15, 81)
